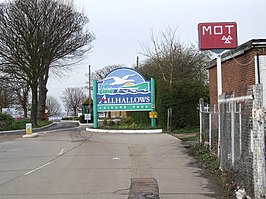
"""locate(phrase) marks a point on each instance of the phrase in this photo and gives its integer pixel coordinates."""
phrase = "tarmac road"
(67, 164)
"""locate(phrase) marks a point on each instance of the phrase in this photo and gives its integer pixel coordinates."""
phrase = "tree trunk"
(25, 112)
(75, 111)
(42, 101)
(34, 105)
(23, 94)
(24, 102)
(42, 96)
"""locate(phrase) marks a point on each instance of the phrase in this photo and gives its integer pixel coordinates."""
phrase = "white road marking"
(37, 169)
(116, 158)
(61, 152)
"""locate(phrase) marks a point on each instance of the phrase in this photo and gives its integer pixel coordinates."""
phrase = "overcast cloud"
(122, 26)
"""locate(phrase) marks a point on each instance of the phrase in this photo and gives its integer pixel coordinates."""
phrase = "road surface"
(67, 164)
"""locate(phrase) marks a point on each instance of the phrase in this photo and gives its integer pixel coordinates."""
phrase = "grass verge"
(187, 134)
(209, 162)
(21, 124)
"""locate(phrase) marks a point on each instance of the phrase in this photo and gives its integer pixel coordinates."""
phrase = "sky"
(122, 27)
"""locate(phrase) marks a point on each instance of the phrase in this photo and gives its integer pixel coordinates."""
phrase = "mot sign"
(219, 35)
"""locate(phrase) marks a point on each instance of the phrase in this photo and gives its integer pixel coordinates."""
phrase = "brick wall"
(213, 86)
(237, 74)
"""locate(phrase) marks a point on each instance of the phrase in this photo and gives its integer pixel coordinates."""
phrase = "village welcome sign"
(123, 89)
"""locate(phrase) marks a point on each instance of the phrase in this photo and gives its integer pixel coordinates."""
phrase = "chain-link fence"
(235, 133)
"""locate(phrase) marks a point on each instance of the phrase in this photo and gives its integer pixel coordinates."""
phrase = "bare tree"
(7, 96)
(173, 59)
(22, 90)
(175, 62)
(37, 35)
(73, 98)
(53, 106)
(16, 91)
(101, 73)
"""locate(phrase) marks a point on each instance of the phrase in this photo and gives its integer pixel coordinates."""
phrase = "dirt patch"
(144, 188)
(220, 182)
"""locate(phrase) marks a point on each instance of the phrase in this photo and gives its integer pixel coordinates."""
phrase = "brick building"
(241, 67)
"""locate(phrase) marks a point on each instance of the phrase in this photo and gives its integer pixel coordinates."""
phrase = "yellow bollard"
(29, 133)
(28, 129)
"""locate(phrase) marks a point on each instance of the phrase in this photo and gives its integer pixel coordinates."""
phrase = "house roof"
(253, 43)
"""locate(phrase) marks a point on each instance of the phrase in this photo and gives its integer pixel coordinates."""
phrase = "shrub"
(126, 120)
(183, 98)
(105, 122)
(21, 124)
(111, 123)
(140, 117)
(7, 122)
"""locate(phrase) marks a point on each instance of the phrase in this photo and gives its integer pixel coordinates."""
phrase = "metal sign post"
(218, 36)
(219, 75)
(95, 108)
(153, 120)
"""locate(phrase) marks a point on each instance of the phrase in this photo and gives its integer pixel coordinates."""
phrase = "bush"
(7, 122)
(105, 122)
(126, 120)
(108, 122)
(140, 117)
(183, 99)
(21, 124)
(111, 123)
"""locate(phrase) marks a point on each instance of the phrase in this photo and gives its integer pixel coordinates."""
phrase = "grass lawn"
(187, 134)
(21, 124)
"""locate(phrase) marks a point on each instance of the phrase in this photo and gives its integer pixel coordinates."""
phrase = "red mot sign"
(219, 35)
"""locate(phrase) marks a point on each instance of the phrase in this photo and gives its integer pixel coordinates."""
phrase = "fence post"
(233, 133)
(240, 129)
(258, 143)
(201, 106)
(219, 130)
(210, 131)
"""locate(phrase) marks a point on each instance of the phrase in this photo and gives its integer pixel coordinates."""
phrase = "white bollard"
(29, 133)
(28, 129)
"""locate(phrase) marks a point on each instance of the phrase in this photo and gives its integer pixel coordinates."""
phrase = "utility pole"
(137, 67)
(90, 88)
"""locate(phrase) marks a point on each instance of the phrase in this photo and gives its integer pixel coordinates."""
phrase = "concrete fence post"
(258, 144)
(210, 131)
(240, 129)
(233, 133)
(201, 106)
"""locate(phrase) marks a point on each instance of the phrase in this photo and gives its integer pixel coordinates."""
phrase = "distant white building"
(16, 114)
